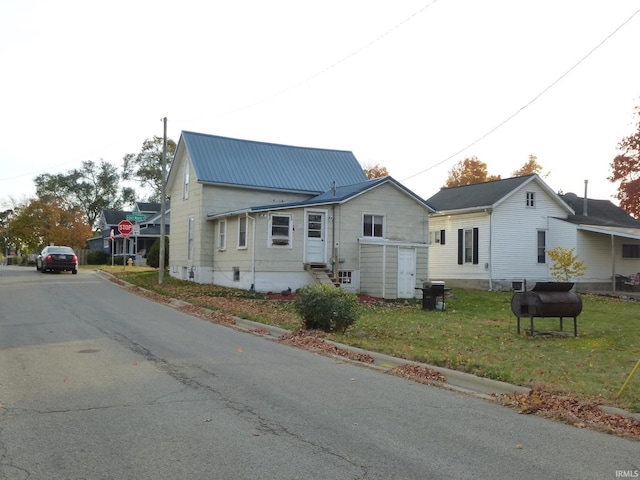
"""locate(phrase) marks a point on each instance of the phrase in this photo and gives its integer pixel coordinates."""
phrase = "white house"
(270, 217)
(492, 234)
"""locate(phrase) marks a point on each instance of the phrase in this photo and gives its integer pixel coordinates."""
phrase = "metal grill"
(547, 300)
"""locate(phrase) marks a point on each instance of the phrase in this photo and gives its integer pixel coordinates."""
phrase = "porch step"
(322, 273)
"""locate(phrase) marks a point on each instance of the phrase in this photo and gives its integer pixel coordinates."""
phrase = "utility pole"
(163, 201)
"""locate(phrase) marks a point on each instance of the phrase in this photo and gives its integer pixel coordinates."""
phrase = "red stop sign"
(125, 227)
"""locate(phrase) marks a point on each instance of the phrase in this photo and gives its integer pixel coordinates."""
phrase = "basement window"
(344, 277)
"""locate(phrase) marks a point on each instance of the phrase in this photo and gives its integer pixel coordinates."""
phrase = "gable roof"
(486, 194)
(251, 164)
(339, 195)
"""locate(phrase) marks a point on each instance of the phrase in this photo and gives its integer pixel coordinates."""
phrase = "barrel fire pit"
(548, 300)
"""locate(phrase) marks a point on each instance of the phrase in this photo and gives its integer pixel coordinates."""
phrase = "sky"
(414, 86)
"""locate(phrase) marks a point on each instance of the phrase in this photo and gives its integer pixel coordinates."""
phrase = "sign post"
(125, 228)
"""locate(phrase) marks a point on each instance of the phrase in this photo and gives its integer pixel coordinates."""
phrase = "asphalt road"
(97, 383)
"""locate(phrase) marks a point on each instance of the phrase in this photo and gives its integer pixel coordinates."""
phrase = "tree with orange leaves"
(468, 171)
(39, 223)
(532, 166)
(626, 170)
(375, 171)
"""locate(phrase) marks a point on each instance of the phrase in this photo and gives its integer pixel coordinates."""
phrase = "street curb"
(456, 381)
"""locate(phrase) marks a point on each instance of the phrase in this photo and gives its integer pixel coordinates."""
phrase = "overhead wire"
(326, 69)
(536, 97)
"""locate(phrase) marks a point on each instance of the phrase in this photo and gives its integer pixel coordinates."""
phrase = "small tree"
(566, 265)
(153, 257)
(324, 307)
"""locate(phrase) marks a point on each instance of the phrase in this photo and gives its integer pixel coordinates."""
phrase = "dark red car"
(56, 258)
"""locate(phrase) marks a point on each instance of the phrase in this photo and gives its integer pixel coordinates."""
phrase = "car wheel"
(74, 272)
(43, 270)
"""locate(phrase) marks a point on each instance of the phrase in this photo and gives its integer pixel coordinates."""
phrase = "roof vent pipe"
(584, 203)
(333, 187)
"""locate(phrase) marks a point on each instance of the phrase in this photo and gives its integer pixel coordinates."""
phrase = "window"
(280, 230)
(242, 232)
(236, 274)
(344, 277)
(468, 245)
(222, 235)
(630, 251)
(373, 226)
(190, 230)
(437, 236)
(185, 192)
(542, 246)
(531, 199)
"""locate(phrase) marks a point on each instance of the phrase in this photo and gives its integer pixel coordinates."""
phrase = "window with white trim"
(185, 191)
(242, 232)
(190, 234)
(542, 246)
(437, 236)
(373, 225)
(222, 235)
(280, 229)
(468, 243)
(531, 199)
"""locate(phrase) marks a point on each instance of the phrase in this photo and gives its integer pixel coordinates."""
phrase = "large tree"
(625, 169)
(92, 187)
(468, 171)
(145, 167)
(530, 167)
(47, 222)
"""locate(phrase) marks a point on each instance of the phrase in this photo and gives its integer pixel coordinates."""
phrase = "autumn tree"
(42, 223)
(469, 171)
(530, 167)
(626, 170)
(145, 167)
(566, 264)
(93, 187)
(375, 170)
(5, 240)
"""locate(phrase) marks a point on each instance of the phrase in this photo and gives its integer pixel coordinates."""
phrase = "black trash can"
(431, 292)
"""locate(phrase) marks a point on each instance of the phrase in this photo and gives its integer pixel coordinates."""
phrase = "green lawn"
(477, 334)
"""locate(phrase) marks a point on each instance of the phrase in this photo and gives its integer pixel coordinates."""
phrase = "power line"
(536, 97)
(328, 68)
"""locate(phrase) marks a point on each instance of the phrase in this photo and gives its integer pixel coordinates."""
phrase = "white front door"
(406, 273)
(315, 234)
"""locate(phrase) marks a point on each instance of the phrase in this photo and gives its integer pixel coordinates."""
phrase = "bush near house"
(327, 308)
(153, 257)
(98, 257)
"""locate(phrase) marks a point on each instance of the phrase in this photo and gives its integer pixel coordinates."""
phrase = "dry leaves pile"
(309, 340)
(150, 295)
(211, 315)
(418, 373)
(571, 410)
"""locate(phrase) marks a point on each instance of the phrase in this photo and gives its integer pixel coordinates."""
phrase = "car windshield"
(60, 250)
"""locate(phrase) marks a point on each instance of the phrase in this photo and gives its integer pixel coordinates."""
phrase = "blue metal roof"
(230, 161)
(341, 194)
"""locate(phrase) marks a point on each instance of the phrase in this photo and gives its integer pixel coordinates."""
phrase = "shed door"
(406, 273)
(315, 233)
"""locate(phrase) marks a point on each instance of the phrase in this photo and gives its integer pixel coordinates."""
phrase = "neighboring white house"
(270, 217)
(492, 234)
